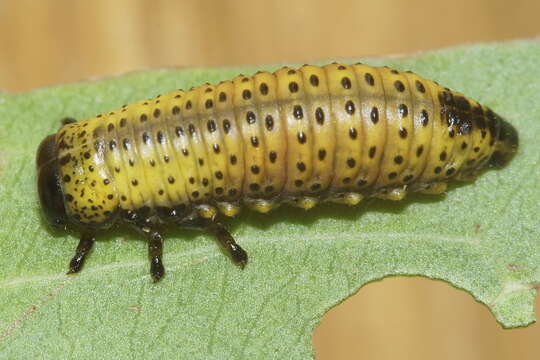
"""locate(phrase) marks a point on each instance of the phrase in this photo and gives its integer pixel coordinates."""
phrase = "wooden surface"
(49, 42)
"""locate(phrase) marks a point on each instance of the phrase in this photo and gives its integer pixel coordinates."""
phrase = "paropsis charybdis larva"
(336, 133)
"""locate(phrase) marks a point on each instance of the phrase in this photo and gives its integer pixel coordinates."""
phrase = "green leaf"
(483, 237)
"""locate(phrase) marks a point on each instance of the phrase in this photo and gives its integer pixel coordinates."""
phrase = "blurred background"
(50, 42)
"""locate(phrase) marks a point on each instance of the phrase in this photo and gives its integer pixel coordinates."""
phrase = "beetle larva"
(333, 133)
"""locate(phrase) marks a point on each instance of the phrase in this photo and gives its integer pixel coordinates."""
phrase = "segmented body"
(338, 132)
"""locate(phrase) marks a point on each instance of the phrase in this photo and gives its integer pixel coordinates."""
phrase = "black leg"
(85, 245)
(155, 249)
(225, 238)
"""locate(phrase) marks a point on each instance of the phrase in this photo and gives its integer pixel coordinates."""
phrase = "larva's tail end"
(506, 145)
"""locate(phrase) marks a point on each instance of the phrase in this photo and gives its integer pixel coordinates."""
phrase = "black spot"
(301, 138)
(66, 178)
(322, 154)
(160, 137)
(346, 180)
(437, 170)
(369, 79)
(291, 72)
(293, 87)
(424, 118)
(216, 149)
(319, 115)
(476, 149)
(419, 150)
(346, 83)
(398, 159)
(152, 162)
(201, 162)
(399, 86)
(407, 178)
(123, 122)
(351, 162)
(205, 182)
(185, 152)
(145, 137)
(255, 169)
(131, 162)
(403, 133)
(161, 192)
(254, 141)
(314, 80)
(195, 194)
(341, 67)
(176, 110)
(269, 189)
(218, 175)
(143, 117)
(372, 151)
(298, 112)
(451, 133)
(420, 87)
(134, 182)
(301, 166)
(403, 110)
(157, 112)
(263, 88)
(191, 129)
(450, 171)
(394, 71)
(442, 156)
(269, 121)
(125, 143)
(211, 125)
(112, 144)
(463, 145)
(298, 183)
(361, 182)
(254, 187)
(246, 94)
(226, 126)
(315, 187)
(392, 175)
(353, 133)
(222, 97)
(349, 107)
(250, 117)
(191, 180)
(374, 115)
(233, 160)
(232, 192)
(87, 155)
(188, 104)
(110, 127)
(170, 179)
(219, 190)
(272, 156)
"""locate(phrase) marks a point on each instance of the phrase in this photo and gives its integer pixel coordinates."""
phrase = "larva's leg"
(67, 120)
(238, 255)
(155, 249)
(85, 245)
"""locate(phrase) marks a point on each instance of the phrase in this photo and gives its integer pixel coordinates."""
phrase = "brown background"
(49, 42)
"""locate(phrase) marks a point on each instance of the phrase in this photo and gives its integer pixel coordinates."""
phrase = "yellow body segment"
(300, 136)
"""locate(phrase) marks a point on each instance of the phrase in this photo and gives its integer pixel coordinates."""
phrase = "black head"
(49, 184)
(506, 145)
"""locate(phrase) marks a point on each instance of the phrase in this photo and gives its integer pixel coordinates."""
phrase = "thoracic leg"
(238, 255)
(155, 249)
(85, 245)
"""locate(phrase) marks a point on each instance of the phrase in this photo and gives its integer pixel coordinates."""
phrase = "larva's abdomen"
(338, 132)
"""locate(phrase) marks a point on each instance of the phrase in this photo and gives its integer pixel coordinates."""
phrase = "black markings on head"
(314, 80)
(226, 126)
(399, 86)
(349, 107)
(353, 133)
(374, 115)
(398, 159)
(369, 79)
(301, 166)
(263, 88)
(403, 110)
(301, 137)
(222, 97)
(322, 154)
(246, 94)
(272, 155)
(250, 117)
(351, 162)
(372, 152)
(403, 133)
(346, 82)
(319, 116)
(293, 87)
(298, 112)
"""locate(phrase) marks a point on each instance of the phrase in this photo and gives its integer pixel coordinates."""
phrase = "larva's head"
(49, 183)
(506, 145)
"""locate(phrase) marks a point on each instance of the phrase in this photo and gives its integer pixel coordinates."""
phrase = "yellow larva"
(298, 136)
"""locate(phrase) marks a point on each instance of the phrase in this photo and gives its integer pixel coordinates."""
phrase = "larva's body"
(338, 133)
